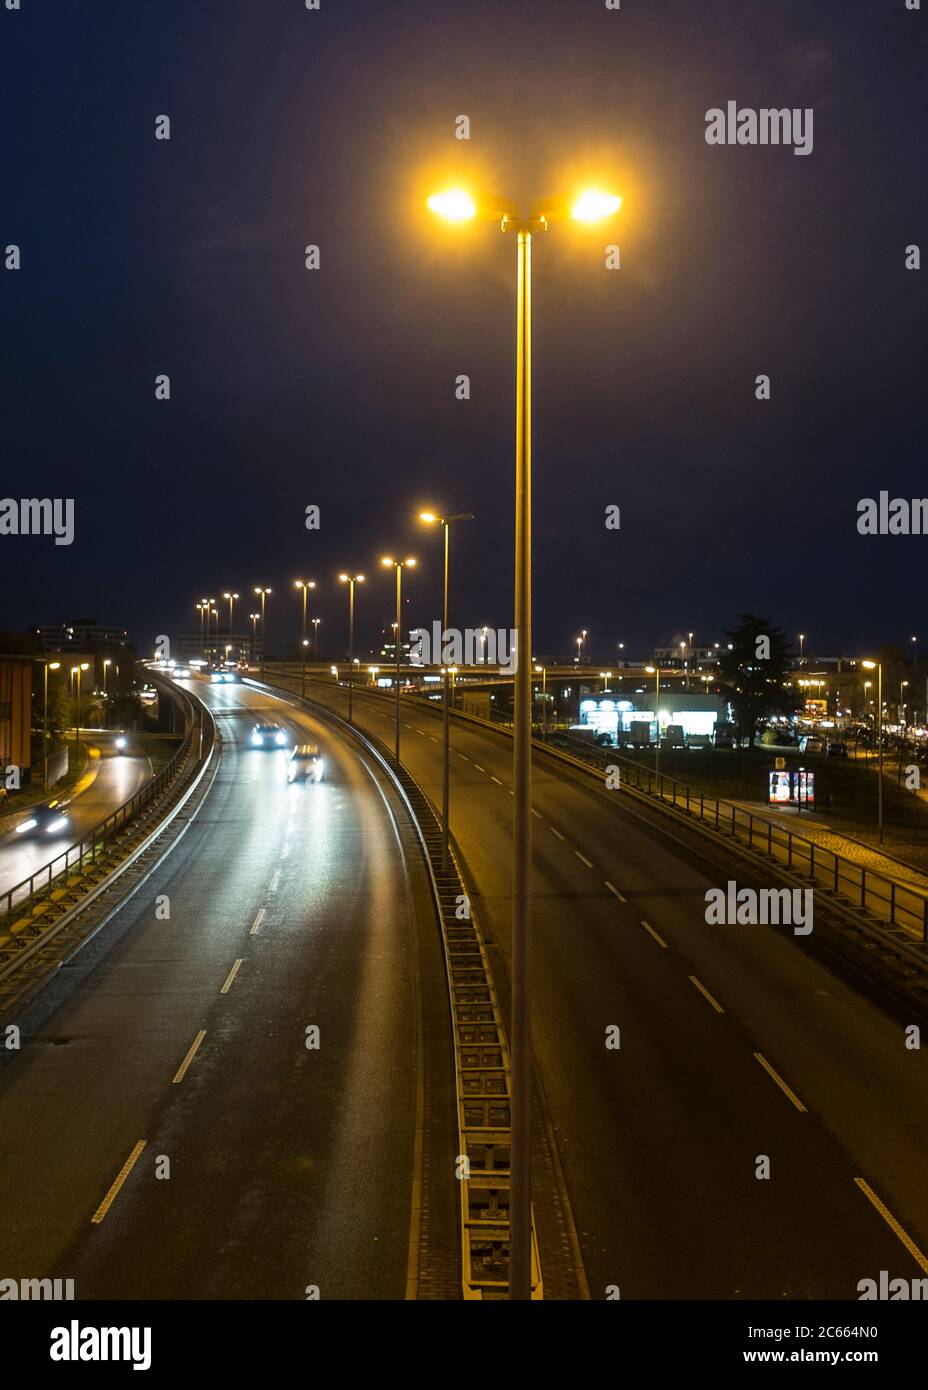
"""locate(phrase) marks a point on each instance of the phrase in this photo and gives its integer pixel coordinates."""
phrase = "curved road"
(266, 1167)
(118, 778)
(737, 1044)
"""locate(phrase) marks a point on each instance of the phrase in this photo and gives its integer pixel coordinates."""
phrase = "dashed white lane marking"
(231, 976)
(496, 780)
(256, 924)
(275, 882)
(583, 859)
(536, 813)
(893, 1224)
(120, 1178)
(659, 939)
(182, 1069)
(479, 768)
(612, 889)
(706, 995)
(787, 1091)
(464, 756)
(406, 726)
(433, 738)
(556, 832)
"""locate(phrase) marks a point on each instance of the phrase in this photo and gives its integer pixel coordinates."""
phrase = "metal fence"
(866, 889)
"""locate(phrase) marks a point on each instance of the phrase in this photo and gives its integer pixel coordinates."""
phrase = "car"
(120, 743)
(223, 675)
(48, 819)
(836, 750)
(306, 764)
(268, 736)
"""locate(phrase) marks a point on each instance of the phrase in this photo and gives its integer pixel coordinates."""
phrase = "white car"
(305, 764)
(268, 736)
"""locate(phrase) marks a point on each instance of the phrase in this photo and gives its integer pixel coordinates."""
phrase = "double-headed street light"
(47, 666)
(305, 586)
(590, 206)
(254, 634)
(263, 592)
(76, 670)
(445, 522)
(351, 580)
(230, 597)
(878, 667)
(316, 622)
(398, 566)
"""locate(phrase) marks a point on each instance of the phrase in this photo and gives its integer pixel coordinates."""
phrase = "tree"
(754, 671)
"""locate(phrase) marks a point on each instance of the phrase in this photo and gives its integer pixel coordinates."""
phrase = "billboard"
(795, 788)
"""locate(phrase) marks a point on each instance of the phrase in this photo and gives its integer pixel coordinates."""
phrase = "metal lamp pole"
(263, 592)
(351, 580)
(445, 523)
(398, 566)
(457, 206)
(53, 666)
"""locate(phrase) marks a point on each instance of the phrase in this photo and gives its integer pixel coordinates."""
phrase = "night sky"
(336, 387)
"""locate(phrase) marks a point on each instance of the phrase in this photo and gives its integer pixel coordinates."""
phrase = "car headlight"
(256, 738)
(26, 825)
(280, 739)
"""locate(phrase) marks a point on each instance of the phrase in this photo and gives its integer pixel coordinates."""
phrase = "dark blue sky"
(336, 387)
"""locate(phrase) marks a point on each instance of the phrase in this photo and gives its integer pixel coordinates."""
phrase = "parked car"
(836, 750)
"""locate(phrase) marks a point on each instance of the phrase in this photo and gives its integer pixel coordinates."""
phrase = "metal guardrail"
(86, 851)
(482, 1069)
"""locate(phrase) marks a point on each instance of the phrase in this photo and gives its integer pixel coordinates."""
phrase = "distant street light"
(316, 622)
(305, 586)
(231, 597)
(590, 206)
(445, 522)
(878, 667)
(656, 671)
(264, 593)
(47, 666)
(802, 638)
(398, 566)
(544, 701)
(351, 580)
(254, 634)
(84, 665)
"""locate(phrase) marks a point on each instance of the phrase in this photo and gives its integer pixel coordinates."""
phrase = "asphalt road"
(736, 1042)
(118, 778)
(288, 1167)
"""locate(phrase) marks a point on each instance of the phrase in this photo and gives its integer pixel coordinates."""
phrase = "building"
(16, 715)
(82, 634)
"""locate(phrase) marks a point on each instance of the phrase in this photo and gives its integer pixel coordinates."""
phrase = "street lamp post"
(878, 667)
(445, 522)
(656, 672)
(263, 593)
(254, 633)
(544, 701)
(802, 638)
(316, 622)
(302, 584)
(398, 566)
(231, 597)
(48, 666)
(77, 718)
(350, 580)
(457, 206)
